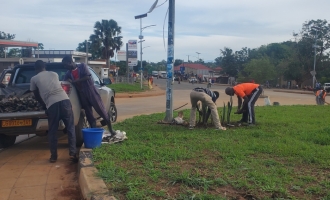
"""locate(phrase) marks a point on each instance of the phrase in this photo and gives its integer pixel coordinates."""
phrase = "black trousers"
(249, 115)
(89, 99)
(61, 110)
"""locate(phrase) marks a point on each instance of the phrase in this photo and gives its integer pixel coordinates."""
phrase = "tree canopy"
(106, 38)
(5, 36)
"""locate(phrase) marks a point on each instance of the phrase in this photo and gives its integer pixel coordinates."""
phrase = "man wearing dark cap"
(79, 75)
(250, 92)
(208, 98)
(48, 91)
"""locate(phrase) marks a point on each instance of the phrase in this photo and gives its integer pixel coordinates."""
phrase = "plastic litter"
(119, 137)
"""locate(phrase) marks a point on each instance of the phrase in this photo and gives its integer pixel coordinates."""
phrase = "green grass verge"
(286, 156)
(128, 87)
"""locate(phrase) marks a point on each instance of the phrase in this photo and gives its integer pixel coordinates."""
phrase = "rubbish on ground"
(267, 101)
(120, 136)
(179, 118)
(276, 103)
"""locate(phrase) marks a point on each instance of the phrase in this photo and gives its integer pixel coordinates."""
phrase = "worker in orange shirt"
(320, 97)
(250, 92)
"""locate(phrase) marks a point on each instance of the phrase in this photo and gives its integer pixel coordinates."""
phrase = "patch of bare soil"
(73, 193)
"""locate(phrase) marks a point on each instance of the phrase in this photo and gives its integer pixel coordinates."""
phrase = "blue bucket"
(92, 137)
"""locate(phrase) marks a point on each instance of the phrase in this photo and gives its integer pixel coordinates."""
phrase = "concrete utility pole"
(170, 60)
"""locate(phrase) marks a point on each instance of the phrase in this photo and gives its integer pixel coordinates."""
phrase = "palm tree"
(105, 38)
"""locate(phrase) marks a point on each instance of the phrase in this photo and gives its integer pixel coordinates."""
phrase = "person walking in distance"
(80, 76)
(250, 92)
(48, 91)
(208, 98)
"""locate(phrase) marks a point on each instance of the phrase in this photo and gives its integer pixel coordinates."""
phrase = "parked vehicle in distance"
(326, 86)
(154, 73)
(162, 74)
(192, 80)
(102, 72)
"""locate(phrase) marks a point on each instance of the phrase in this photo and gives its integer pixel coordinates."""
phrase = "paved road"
(26, 173)
(130, 107)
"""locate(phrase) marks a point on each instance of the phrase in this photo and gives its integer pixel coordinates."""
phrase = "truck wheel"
(113, 113)
(83, 123)
(7, 140)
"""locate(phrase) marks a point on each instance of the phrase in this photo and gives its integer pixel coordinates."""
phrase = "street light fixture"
(198, 55)
(141, 36)
(145, 47)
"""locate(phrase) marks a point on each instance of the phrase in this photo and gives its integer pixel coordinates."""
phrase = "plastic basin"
(92, 137)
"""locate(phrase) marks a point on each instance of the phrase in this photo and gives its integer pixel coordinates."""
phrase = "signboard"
(121, 55)
(182, 70)
(132, 44)
(313, 73)
(132, 61)
(132, 53)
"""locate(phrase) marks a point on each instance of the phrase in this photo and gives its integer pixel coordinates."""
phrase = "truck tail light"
(66, 87)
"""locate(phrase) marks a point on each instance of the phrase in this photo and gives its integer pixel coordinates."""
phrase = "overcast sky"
(203, 26)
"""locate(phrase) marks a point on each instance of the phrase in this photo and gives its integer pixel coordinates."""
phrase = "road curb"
(91, 186)
(156, 91)
(297, 92)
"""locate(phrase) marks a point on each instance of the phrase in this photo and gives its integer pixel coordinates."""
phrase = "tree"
(40, 46)
(14, 53)
(105, 38)
(260, 70)
(82, 48)
(178, 62)
(241, 57)
(5, 36)
(229, 62)
(312, 31)
(122, 68)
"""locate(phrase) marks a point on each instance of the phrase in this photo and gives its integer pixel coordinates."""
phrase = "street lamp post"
(188, 58)
(141, 36)
(198, 55)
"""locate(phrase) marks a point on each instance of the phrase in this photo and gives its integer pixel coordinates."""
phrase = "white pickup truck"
(35, 122)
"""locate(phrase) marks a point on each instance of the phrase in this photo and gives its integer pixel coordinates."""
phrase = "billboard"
(121, 55)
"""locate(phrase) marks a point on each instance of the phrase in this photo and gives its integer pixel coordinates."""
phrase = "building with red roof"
(193, 68)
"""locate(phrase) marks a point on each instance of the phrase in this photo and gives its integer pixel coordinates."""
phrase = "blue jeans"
(61, 110)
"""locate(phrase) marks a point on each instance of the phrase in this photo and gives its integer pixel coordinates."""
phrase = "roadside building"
(202, 72)
(30, 54)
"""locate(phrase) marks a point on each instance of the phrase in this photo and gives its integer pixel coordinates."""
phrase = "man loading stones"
(47, 90)
(79, 75)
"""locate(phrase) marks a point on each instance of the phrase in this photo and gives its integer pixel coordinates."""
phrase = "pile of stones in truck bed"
(24, 103)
